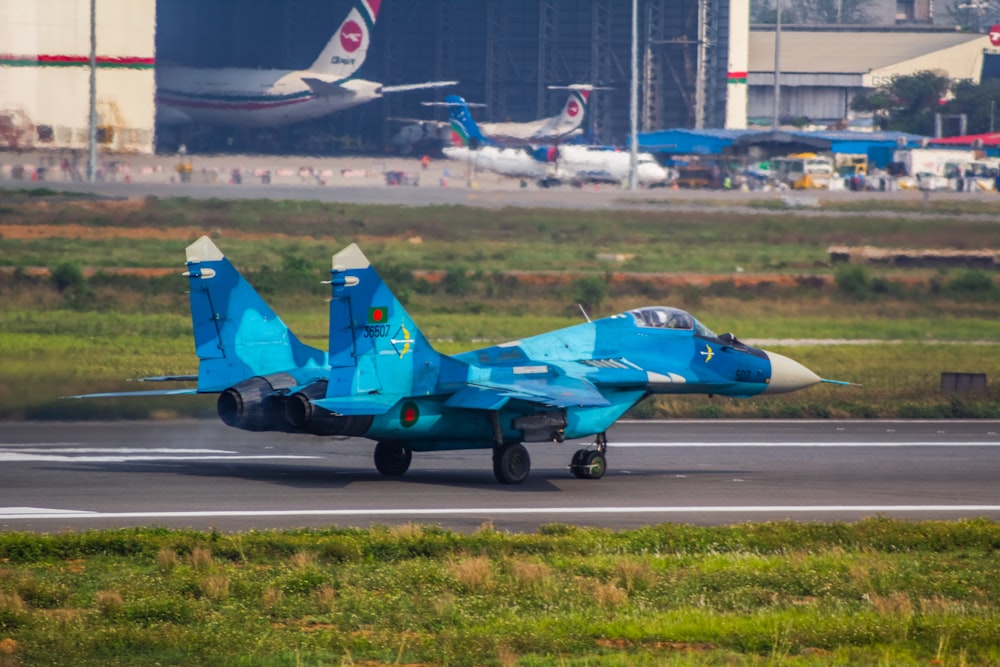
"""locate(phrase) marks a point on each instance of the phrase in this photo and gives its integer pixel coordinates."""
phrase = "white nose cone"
(788, 375)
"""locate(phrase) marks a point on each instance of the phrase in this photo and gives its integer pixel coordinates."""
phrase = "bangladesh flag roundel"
(378, 315)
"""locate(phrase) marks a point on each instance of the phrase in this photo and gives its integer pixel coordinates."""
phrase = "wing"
(558, 391)
(417, 86)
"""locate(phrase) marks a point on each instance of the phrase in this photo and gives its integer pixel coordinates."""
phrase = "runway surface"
(202, 474)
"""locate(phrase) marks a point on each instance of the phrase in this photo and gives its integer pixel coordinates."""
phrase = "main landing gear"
(591, 463)
(511, 463)
(391, 459)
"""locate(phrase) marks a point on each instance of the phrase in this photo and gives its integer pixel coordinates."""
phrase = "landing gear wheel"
(588, 464)
(511, 464)
(392, 460)
(578, 462)
(596, 465)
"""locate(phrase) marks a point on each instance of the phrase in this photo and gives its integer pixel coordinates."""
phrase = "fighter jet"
(381, 379)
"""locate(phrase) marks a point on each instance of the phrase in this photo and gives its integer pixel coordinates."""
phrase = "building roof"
(716, 141)
(986, 139)
(809, 51)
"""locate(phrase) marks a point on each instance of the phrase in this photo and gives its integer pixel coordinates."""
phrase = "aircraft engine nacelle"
(301, 414)
(252, 405)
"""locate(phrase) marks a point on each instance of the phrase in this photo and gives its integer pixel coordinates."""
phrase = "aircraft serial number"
(742, 375)
(376, 331)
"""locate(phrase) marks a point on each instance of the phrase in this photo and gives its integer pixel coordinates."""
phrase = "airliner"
(549, 165)
(269, 97)
(568, 123)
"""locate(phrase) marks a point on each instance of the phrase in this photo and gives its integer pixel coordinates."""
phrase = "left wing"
(417, 86)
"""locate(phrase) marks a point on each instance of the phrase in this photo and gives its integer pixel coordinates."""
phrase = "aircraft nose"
(788, 375)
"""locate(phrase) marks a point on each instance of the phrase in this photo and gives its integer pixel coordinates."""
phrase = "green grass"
(77, 334)
(875, 592)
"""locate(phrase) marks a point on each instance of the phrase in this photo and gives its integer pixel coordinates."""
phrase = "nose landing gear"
(591, 463)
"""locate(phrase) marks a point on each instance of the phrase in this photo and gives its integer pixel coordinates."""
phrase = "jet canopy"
(665, 317)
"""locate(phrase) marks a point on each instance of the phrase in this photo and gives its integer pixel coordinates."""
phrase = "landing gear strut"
(591, 463)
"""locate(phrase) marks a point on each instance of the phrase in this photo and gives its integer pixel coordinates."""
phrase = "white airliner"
(568, 123)
(550, 165)
(265, 98)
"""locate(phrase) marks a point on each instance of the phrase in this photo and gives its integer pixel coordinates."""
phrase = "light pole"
(92, 123)
(634, 101)
(777, 65)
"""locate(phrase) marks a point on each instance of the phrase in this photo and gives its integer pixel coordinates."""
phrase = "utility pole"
(92, 124)
(777, 65)
(634, 101)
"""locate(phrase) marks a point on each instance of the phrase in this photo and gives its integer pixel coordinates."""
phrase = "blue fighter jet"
(381, 378)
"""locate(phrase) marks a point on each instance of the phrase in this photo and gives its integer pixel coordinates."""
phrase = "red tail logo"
(351, 36)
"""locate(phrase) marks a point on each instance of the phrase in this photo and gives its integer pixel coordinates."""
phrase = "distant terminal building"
(45, 74)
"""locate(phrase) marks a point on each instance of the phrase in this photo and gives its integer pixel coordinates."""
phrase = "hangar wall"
(45, 73)
(504, 52)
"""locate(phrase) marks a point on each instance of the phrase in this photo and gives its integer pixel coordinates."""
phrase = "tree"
(979, 102)
(906, 103)
(974, 15)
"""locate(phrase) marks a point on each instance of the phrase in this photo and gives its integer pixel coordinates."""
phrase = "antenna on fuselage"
(585, 315)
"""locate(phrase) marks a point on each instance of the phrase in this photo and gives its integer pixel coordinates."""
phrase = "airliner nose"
(788, 375)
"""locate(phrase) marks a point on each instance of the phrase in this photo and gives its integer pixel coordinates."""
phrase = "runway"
(202, 474)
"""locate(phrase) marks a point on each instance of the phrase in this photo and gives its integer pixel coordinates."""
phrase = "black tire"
(511, 465)
(576, 465)
(392, 460)
(596, 465)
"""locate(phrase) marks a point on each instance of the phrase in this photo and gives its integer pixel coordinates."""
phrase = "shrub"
(853, 280)
(68, 277)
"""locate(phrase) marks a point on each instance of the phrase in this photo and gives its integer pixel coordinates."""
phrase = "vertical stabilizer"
(236, 334)
(573, 114)
(465, 130)
(346, 50)
(375, 347)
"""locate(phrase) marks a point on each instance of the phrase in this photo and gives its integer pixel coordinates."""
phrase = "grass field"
(876, 592)
(74, 321)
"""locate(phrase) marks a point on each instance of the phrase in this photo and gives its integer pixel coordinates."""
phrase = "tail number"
(376, 330)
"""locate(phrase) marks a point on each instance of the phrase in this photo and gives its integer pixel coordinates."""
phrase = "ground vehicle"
(803, 171)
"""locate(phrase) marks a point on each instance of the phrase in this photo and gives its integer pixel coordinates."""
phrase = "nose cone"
(788, 375)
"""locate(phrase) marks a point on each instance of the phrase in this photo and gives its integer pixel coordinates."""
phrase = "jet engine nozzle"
(788, 375)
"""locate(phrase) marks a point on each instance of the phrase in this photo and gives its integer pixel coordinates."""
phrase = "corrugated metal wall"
(504, 52)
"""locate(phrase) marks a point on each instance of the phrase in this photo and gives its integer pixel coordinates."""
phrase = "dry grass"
(301, 560)
(472, 574)
(201, 558)
(215, 587)
(109, 603)
(166, 559)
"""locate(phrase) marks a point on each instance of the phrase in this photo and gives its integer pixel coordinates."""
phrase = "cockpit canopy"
(665, 317)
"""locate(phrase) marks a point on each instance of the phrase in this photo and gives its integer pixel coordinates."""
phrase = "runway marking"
(7, 513)
(923, 443)
(20, 453)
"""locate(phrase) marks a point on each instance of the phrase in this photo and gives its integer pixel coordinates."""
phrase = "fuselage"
(253, 98)
(582, 161)
(514, 162)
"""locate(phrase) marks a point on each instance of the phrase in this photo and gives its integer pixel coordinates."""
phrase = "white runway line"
(7, 513)
(750, 445)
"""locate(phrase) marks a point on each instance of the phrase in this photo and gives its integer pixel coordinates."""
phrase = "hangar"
(505, 53)
(822, 70)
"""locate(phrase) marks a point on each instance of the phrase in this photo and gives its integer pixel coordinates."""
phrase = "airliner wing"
(417, 86)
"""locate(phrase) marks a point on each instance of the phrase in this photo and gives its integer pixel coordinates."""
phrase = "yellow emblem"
(708, 354)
